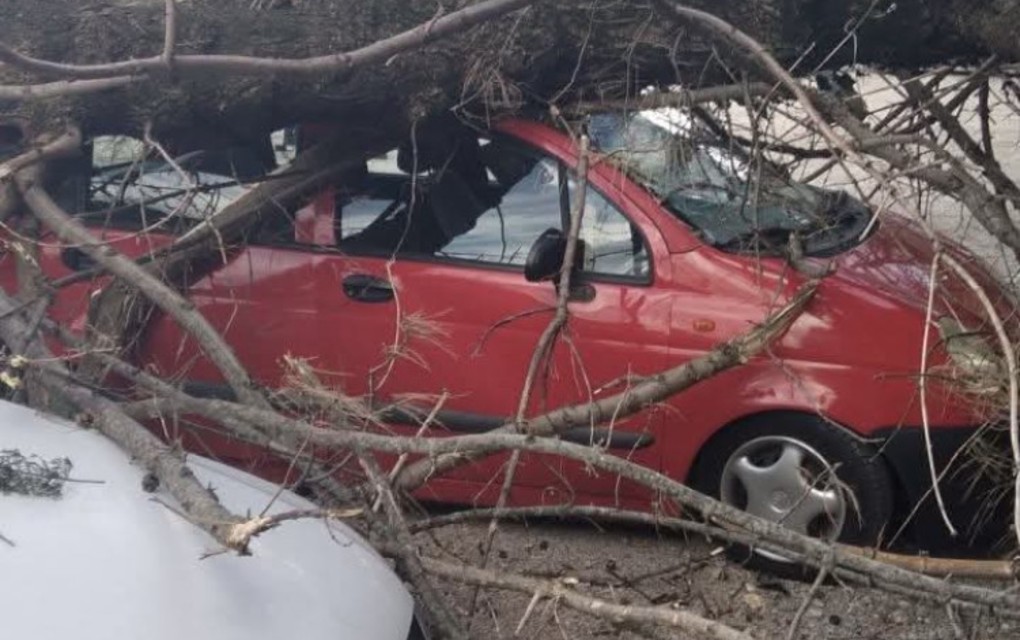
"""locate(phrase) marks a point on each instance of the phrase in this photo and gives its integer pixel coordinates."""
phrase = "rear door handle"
(366, 288)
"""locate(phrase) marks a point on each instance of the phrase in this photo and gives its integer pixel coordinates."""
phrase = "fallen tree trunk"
(550, 50)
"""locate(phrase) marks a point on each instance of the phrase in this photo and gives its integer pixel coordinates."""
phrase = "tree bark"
(552, 50)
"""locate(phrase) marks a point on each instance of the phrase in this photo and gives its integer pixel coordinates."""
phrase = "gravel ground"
(632, 565)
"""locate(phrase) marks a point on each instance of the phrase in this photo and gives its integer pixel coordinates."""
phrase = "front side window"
(504, 233)
(478, 201)
(613, 246)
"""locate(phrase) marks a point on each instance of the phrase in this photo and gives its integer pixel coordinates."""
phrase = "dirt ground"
(641, 566)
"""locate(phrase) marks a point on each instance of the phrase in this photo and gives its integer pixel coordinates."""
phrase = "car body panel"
(860, 338)
(108, 560)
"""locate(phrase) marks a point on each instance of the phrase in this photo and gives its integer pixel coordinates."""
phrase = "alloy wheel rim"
(785, 481)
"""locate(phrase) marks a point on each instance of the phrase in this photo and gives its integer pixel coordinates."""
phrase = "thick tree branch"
(198, 503)
(63, 88)
(170, 34)
(233, 65)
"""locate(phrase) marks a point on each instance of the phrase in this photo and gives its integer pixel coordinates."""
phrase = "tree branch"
(67, 144)
(170, 34)
(443, 618)
(63, 88)
(198, 503)
(377, 52)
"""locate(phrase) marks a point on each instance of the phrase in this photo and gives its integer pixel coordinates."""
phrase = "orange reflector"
(704, 326)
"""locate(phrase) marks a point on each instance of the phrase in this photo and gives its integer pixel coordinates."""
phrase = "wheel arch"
(767, 416)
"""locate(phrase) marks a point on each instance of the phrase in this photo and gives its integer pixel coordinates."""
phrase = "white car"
(106, 560)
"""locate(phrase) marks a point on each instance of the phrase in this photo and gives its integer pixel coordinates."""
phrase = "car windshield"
(732, 205)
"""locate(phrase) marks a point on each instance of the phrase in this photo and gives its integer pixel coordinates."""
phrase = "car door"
(415, 321)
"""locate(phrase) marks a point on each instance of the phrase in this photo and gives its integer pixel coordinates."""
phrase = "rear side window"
(131, 185)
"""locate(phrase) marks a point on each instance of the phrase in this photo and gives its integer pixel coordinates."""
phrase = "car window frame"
(566, 200)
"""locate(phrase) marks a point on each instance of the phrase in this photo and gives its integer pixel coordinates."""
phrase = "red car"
(679, 254)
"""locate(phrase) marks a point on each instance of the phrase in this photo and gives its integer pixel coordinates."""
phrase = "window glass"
(504, 233)
(481, 201)
(613, 246)
(132, 185)
(386, 164)
(285, 147)
(109, 151)
(715, 191)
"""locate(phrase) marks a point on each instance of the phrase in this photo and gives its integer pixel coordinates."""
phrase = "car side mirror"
(546, 256)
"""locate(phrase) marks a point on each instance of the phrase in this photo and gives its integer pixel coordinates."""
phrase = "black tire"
(857, 466)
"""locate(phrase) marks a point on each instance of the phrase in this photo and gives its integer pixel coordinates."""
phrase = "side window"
(613, 245)
(473, 200)
(364, 197)
(504, 233)
(132, 186)
(479, 201)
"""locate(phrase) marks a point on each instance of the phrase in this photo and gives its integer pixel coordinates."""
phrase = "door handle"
(76, 259)
(366, 288)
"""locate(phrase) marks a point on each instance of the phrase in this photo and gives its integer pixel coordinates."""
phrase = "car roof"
(108, 560)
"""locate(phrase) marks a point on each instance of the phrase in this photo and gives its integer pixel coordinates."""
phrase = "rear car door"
(259, 295)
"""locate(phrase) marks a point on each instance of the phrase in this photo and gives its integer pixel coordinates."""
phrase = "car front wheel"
(802, 472)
